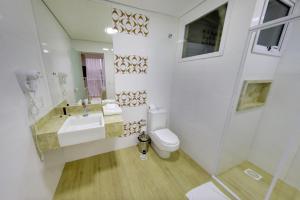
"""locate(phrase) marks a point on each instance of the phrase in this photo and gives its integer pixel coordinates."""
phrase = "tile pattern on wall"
(130, 64)
(134, 127)
(130, 23)
(131, 99)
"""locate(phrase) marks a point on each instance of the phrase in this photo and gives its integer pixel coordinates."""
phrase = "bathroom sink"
(78, 129)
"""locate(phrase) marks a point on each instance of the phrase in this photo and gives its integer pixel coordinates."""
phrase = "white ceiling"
(174, 8)
(87, 19)
(83, 19)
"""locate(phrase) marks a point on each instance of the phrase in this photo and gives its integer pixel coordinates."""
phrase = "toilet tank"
(157, 119)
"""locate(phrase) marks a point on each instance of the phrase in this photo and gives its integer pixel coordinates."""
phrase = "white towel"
(112, 109)
(111, 106)
(96, 101)
(106, 101)
(207, 191)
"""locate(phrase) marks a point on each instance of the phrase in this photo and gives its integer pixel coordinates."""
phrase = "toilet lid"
(166, 136)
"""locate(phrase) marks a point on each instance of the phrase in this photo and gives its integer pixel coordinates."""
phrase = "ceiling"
(83, 19)
(175, 8)
(87, 19)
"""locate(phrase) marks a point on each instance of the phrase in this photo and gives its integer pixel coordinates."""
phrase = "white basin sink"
(78, 129)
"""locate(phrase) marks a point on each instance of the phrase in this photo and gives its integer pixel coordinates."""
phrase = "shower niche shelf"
(254, 94)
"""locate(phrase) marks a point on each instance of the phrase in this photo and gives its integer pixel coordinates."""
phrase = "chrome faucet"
(85, 109)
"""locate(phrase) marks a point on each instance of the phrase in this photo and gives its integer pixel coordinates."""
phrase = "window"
(203, 35)
(270, 40)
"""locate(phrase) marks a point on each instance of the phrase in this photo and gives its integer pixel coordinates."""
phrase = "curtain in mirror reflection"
(94, 74)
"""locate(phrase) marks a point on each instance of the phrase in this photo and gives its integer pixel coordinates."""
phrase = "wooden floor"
(249, 189)
(122, 175)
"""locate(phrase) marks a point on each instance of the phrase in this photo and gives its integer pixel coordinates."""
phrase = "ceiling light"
(105, 49)
(110, 30)
(112, 49)
(45, 51)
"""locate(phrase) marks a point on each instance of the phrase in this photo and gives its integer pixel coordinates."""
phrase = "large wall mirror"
(77, 50)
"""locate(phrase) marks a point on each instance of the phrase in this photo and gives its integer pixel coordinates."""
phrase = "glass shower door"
(259, 157)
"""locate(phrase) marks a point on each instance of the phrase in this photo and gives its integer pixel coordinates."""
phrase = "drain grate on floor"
(253, 174)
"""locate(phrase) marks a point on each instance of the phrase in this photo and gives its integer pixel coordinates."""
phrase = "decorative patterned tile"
(134, 127)
(130, 23)
(131, 99)
(130, 64)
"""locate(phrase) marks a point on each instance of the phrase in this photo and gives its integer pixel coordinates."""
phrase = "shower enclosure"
(259, 156)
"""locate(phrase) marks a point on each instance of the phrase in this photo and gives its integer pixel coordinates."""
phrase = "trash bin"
(144, 142)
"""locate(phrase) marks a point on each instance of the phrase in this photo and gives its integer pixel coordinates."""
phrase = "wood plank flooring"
(249, 189)
(122, 175)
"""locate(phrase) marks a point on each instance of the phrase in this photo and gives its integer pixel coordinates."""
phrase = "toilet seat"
(165, 139)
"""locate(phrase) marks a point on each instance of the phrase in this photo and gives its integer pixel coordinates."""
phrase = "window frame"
(260, 49)
(223, 37)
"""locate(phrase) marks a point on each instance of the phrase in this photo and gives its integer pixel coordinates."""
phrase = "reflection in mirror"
(77, 50)
(93, 84)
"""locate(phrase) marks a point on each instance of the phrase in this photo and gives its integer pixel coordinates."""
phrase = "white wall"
(23, 175)
(280, 119)
(54, 39)
(97, 47)
(160, 51)
(202, 89)
(242, 127)
(243, 124)
(241, 138)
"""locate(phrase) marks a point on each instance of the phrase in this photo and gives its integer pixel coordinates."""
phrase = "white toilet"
(163, 140)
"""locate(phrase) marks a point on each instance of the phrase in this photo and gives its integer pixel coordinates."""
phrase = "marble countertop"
(109, 119)
(54, 123)
(45, 130)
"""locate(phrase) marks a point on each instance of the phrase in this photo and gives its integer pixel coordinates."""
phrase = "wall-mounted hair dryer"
(28, 80)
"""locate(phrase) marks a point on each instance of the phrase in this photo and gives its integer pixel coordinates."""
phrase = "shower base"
(247, 188)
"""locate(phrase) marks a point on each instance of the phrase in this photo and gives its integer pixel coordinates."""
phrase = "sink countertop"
(46, 133)
(47, 138)
(52, 125)
(109, 119)
(114, 125)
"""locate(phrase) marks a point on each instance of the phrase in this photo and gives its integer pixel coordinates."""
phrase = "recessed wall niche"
(254, 94)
